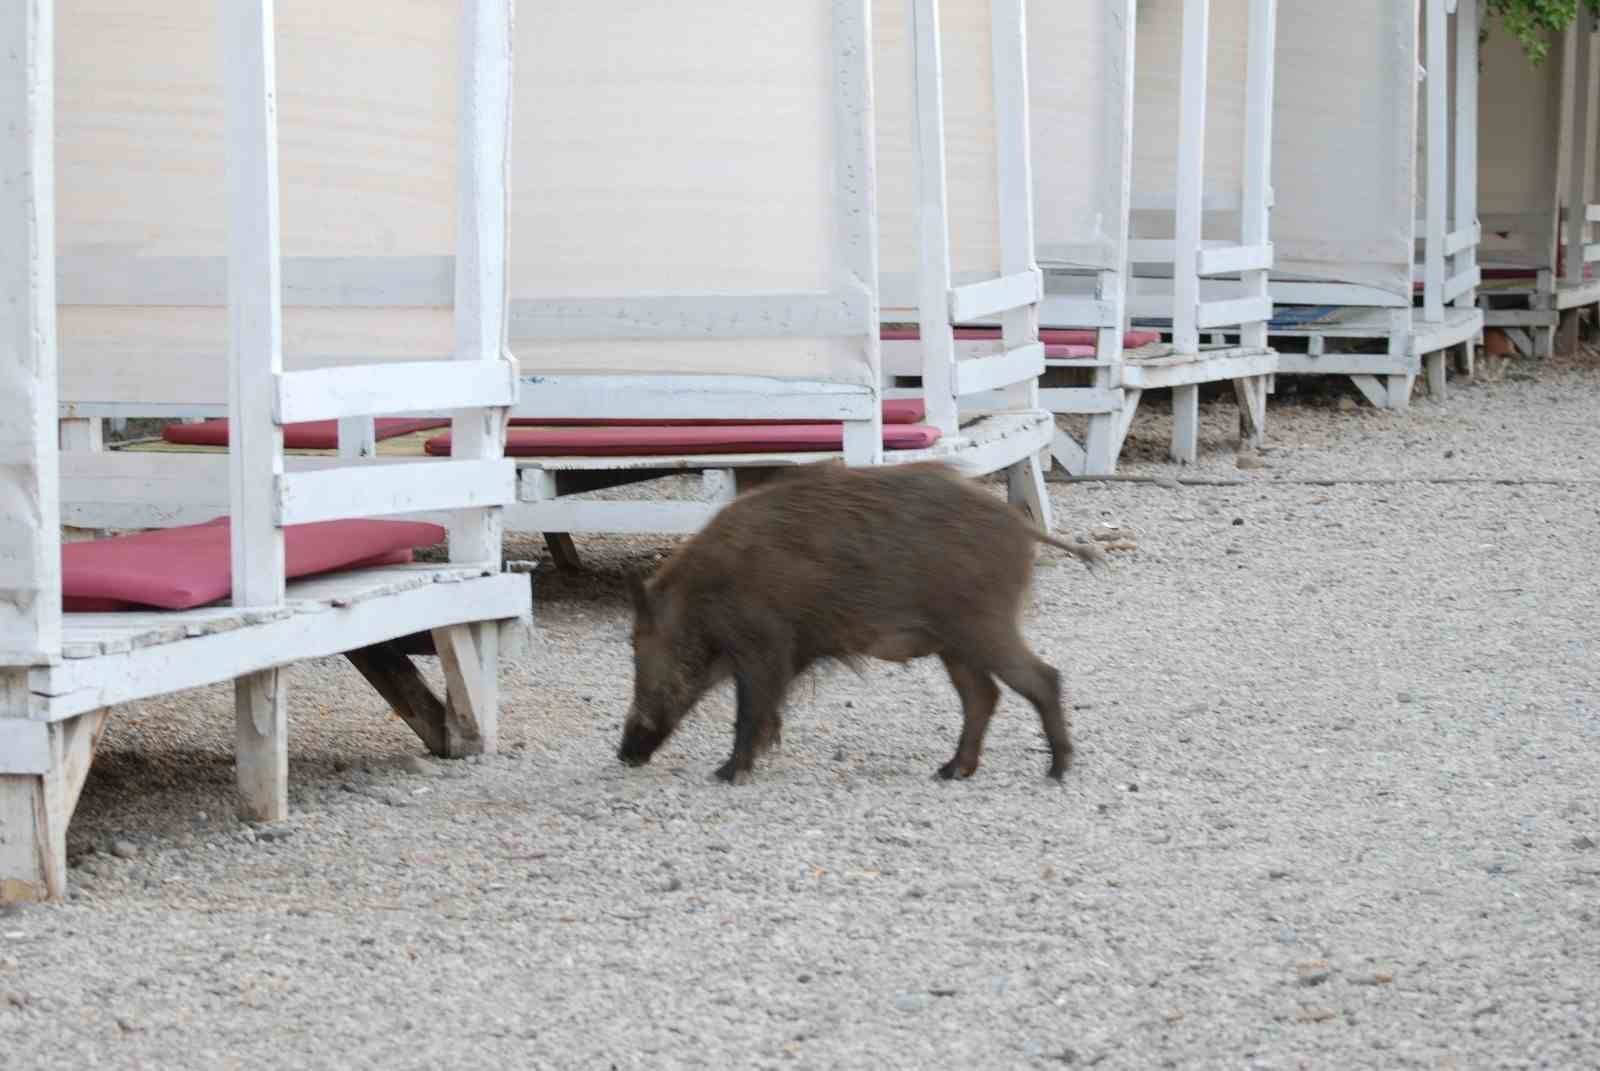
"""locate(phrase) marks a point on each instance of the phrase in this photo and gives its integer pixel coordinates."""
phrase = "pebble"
(1249, 461)
(1316, 1015)
(1583, 842)
(912, 1002)
(1276, 873)
(673, 884)
(1310, 972)
(1238, 522)
(416, 764)
(1171, 483)
(1405, 697)
(124, 849)
(1288, 936)
(185, 840)
(274, 833)
(1163, 837)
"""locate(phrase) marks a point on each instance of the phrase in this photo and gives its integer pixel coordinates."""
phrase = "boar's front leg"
(759, 690)
(979, 694)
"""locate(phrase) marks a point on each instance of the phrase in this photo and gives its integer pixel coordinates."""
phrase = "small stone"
(1405, 697)
(186, 840)
(1049, 873)
(124, 849)
(1277, 873)
(1033, 1049)
(128, 1025)
(1583, 842)
(912, 1002)
(1288, 936)
(1162, 837)
(1348, 405)
(416, 764)
(673, 884)
(849, 704)
(1382, 977)
(247, 835)
(1449, 453)
(838, 754)
(1131, 786)
(1310, 972)
(274, 833)
(1174, 1015)
(1238, 522)
(1249, 461)
(916, 892)
(804, 979)
(1171, 483)
(1316, 1015)
(17, 1000)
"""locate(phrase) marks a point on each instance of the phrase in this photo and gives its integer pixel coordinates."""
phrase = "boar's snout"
(639, 741)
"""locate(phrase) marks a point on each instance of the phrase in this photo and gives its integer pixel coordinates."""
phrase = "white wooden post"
(933, 220)
(1581, 152)
(358, 437)
(482, 180)
(255, 359)
(1466, 109)
(1104, 441)
(1190, 206)
(1256, 207)
(30, 548)
(1438, 196)
(32, 810)
(856, 186)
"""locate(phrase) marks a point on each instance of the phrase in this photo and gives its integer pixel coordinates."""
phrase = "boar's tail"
(1089, 553)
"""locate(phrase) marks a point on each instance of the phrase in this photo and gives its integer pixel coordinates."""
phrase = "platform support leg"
(563, 551)
(1025, 489)
(261, 745)
(43, 766)
(1251, 394)
(1567, 338)
(1186, 423)
(1466, 359)
(1435, 365)
(1400, 392)
(470, 657)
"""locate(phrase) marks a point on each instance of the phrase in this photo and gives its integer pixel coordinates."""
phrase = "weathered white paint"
(403, 487)
(30, 563)
(363, 390)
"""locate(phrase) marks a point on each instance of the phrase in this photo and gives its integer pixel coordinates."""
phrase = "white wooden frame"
(1201, 298)
(1558, 239)
(61, 674)
(1446, 234)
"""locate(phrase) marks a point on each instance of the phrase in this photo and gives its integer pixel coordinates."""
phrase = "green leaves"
(1531, 21)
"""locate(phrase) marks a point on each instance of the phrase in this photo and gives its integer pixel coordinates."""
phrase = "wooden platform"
(1154, 367)
(114, 658)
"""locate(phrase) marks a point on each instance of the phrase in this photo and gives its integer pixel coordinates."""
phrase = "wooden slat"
(1057, 311)
(1436, 89)
(74, 687)
(1189, 204)
(1458, 241)
(1224, 260)
(402, 387)
(1081, 399)
(977, 300)
(307, 282)
(1457, 285)
(1581, 151)
(1256, 202)
(383, 490)
(650, 517)
(845, 313)
(1238, 311)
(976, 374)
(255, 326)
(30, 552)
(692, 397)
(24, 746)
(933, 216)
(1202, 370)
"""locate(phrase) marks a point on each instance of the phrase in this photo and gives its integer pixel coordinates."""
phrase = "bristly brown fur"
(830, 562)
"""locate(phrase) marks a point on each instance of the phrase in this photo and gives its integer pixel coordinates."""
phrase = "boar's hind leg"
(979, 694)
(1038, 682)
(759, 693)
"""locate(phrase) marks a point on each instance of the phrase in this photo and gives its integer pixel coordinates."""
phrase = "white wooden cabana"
(161, 178)
(1201, 249)
(1536, 142)
(695, 237)
(1375, 219)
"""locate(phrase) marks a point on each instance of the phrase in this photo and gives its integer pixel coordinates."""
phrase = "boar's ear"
(641, 599)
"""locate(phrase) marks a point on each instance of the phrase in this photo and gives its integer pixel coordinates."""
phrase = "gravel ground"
(1335, 805)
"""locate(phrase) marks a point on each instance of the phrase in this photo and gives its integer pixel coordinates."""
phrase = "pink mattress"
(181, 568)
(895, 411)
(309, 435)
(670, 439)
(1050, 336)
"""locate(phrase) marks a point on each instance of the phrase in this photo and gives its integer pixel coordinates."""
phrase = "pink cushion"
(1068, 353)
(308, 435)
(895, 411)
(1050, 336)
(663, 439)
(181, 568)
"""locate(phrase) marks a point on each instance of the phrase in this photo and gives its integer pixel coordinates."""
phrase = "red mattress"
(1050, 336)
(670, 439)
(181, 568)
(309, 435)
(895, 411)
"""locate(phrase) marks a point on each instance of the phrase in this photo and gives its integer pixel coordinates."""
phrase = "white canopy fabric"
(686, 150)
(1077, 70)
(367, 151)
(1519, 152)
(1345, 142)
(970, 147)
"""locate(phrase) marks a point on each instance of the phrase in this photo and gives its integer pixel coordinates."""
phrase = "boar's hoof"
(954, 770)
(1058, 768)
(631, 758)
(731, 773)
